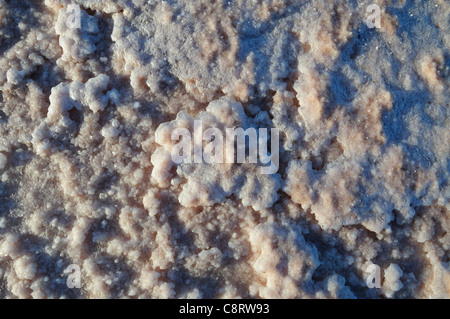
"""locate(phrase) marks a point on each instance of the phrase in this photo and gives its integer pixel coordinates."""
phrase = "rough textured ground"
(364, 171)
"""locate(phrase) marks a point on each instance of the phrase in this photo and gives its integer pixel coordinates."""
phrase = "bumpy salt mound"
(86, 177)
(208, 184)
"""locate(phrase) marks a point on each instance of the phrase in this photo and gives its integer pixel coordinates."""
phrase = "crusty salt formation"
(90, 91)
(209, 184)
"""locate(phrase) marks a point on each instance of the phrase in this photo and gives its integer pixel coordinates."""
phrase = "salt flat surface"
(85, 171)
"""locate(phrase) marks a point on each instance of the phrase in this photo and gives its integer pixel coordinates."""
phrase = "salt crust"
(85, 175)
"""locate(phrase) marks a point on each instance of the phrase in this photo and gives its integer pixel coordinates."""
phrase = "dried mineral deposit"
(91, 89)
